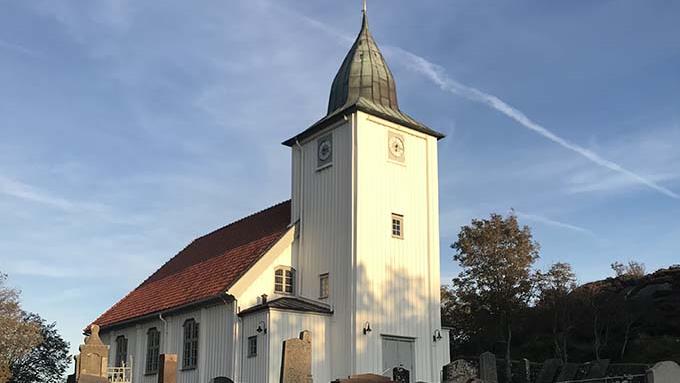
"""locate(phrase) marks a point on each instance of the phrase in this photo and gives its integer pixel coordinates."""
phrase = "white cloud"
(27, 192)
(552, 222)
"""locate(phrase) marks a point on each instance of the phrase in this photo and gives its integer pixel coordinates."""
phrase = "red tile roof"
(206, 268)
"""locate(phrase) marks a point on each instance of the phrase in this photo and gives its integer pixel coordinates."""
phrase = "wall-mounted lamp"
(437, 335)
(261, 327)
(367, 328)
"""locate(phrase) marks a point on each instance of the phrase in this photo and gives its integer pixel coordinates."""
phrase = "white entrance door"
(398, 352)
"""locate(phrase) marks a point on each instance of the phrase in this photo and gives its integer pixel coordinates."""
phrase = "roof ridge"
(241, 220)
(204, 236)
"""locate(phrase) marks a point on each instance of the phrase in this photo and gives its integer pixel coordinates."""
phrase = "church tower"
(365, 205)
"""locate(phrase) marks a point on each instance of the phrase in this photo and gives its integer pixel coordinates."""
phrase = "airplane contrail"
(438, 75)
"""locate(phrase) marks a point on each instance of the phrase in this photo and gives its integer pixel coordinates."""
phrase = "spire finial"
(364, 7)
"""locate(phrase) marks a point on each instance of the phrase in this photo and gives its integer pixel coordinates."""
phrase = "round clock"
(324, 150)
(396, 147)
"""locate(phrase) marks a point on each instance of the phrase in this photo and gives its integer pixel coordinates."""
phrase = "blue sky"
(128, 128)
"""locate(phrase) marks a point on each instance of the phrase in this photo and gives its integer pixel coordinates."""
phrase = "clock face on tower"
(324, 150)
(395, 146)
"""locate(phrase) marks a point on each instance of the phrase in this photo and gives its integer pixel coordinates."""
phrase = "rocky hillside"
(647, 309)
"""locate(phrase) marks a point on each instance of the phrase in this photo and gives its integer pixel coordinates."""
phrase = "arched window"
(153, 347)
(284, 280)
(190, 355)
(121, 350)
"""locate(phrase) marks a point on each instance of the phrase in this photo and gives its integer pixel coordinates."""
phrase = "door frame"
(399, 338)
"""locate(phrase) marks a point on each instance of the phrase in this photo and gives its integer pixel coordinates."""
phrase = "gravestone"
(91, 364)
(568, 372)
(167, 368)
(297, 359)
(459, 371)
(664, 372)
(401, 375)
(487, 368)
(548, 371)
(598, 369)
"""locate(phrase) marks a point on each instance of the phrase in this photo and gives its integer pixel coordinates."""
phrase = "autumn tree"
(633, 269)
(45, 363)
(497, 281)
(554, 287)
(18, 337)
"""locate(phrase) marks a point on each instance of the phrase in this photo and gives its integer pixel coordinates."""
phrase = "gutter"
(156, 314)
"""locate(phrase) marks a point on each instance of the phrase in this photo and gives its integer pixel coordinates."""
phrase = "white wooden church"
(353, 257)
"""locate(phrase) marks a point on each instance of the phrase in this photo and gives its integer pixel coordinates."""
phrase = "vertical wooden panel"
(324, 243)
(215, 338)
(397, 279)
(287, 325)
(254, 369)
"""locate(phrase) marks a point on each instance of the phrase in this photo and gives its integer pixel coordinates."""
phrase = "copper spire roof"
(364, 82)
(363, 74)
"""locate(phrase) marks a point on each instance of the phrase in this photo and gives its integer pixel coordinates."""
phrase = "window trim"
(400, 219)
(284, 285)
(324, 294)
(190, 342)
(252, 353)
(153, 352)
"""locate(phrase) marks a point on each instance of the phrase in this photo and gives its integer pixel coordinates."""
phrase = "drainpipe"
(301, 185)
(165, 332)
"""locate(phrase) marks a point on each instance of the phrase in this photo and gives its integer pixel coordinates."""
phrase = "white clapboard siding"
(215, 343)
(287, 325)
(254, 369)
(397, 279)
(324, 241)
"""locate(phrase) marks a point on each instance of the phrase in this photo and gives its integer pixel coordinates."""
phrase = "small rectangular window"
(397, 226)
(190, 355)
(153, 343)
(252, 346)
(121, 351)
(323, 286)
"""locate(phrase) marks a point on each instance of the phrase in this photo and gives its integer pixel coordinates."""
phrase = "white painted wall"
(260, 278)
(287, 325)
(324, 243)
(397, 279)
(215, 340)
(254, 369)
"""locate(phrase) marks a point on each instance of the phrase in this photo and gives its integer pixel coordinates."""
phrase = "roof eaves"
(223, 297)
(312, 306)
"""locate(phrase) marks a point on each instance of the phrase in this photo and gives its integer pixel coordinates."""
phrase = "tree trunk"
(508, 359)
(596, 340)
(626, 336)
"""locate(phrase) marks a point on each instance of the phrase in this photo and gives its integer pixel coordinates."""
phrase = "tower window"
(324, 286)
(252, 346)
(121, 350)
(397, 226)
(284, 280)
(153, 346)
(190, 355)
